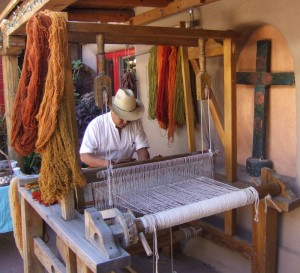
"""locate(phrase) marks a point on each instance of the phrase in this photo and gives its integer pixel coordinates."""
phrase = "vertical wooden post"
(10, 83)
(264, 238)
(230, 110)
(230, 138)
(189, 111)
(32, 226)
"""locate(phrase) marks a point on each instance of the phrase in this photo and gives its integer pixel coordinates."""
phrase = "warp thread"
(31, 85)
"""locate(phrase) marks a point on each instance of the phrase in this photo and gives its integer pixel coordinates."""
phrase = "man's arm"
(93, 160)
(143, 154)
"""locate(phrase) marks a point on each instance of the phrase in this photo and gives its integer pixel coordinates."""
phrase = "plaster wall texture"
(243, 16)
(246, 16)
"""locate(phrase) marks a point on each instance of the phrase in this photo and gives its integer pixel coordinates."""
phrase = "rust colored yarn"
(54, 86)
(31, 84)
(161, 110)
(171, 94)
(60, 169)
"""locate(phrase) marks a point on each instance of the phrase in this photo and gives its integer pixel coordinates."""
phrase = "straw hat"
(126, 106)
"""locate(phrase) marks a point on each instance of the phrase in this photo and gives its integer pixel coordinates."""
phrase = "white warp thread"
(204, 208)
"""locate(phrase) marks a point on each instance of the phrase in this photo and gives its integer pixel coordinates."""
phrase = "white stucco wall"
(243, 16)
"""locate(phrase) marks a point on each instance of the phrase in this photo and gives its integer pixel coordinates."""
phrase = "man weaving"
(114, 137)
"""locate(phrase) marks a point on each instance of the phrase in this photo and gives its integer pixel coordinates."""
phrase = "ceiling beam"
(21, 20)
(103, 16)
(8, 8)
(122, 3)
(171, 9)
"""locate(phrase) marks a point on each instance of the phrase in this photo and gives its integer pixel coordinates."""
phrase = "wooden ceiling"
(17, 12)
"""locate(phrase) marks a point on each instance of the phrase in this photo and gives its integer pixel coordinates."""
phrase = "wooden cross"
(262, 79)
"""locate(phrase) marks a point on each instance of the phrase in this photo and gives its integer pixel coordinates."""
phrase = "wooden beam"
(171, 9)
(122, 3)
(119, 34)
(54, 5)
(32, 226)
(10, 84)
(189, 111)
(212, 49)
(264, 238)
(218, 237)
(230, 148)
(47, 257)
(213, 106)
(103, 16)
(9, 8)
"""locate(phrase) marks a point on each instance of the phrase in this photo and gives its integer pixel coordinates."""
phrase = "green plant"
(32, 163)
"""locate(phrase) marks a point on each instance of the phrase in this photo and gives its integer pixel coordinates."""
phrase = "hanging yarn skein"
(60, 170)
(54, 86)
(161, 111)
(152, 78)
(171, 94)
(30, 89)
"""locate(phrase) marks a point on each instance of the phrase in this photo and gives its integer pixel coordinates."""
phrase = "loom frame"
(262, 250)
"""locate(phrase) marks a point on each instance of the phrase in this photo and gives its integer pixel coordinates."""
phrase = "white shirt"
(102, 137)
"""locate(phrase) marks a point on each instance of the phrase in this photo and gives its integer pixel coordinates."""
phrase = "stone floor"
(11, 261)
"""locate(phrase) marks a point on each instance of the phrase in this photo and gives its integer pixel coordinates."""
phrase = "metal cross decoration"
(262, 79)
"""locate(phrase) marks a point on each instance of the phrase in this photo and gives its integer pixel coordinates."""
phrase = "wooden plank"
(217, 116)
(213, 106)
(111, 38)
(212, 49)
(230, 148)
(189, 111)
(47, 257)
(264, 237)
(103, 16)
(121, 3)
(68, 256)
(72, 233)
(230, 222)
(218, 237)
(32, 226)
(174, 7)
(36, 6)
(143, 31)
(81, 267)
(8, 8)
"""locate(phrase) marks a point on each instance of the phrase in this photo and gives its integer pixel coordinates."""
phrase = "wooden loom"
(82, 256)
